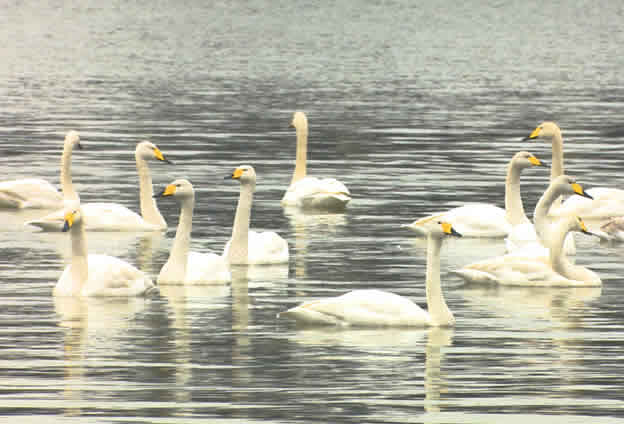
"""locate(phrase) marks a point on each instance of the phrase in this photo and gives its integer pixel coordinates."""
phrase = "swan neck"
(540, 215)
(557, 155)
(67, 186)
(79, 263)
(239, 245)
(558, 259)
(438, 310)
(149, 209)
(514, 210)
(178, 257)
(302, 154)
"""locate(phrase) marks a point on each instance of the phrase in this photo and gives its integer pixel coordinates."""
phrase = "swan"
(612, 230)
(34, 193)
(606, 203)
(245, 246)
(530, 236)
(554, 270)
(96, 275)
(113, 216)
(311, 192)
(485, 220)
(379, 308)
(184, 266)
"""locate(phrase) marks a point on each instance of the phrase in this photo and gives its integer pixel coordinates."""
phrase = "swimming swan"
(311, 192)
(96, 275)
(485, 220)
(380, 308)
(113, 216)
(606, 203)
(184, 266)
(34, 193)
(530, 236)
(249, 247)
(554, 270)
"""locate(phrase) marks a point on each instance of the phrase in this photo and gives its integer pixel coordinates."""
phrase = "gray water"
(415, 106)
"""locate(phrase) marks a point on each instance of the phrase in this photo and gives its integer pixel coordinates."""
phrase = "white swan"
(554, 270)
(485, 220)
(184, 266)
(33, 193)
(380, 308)
(528, 236)
(96, 275)
(113, 216)
(606, 203)
(311, 192)
(249, 247)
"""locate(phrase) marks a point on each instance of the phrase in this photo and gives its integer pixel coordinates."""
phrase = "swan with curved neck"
(605, 203)
(34, 193)
(554, 270)
(380, 308)
(102, 216)
(311, 192)
(185, 266)
(96, 275)
(485, 220)
(245, 246)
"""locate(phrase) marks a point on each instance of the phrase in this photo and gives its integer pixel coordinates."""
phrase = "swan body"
(486, 220)
(249, 247)
(33, 193)
(311, 192)
(96, 275)
(102, 216)
(554, 270)
(184, 266)
(378, 308)
(606, 202)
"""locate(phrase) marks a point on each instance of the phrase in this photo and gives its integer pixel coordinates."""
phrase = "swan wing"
(472, 220)
(29, 193)
(317, 193)
(206, 267)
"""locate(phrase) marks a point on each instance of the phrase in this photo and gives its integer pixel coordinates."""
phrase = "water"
(415, 107)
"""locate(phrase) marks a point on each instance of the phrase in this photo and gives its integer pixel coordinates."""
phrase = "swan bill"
(68, 221)
(534, 134)
(578, 189)
(238, 172)
(167, 191)
(536, 162)
(448, 229)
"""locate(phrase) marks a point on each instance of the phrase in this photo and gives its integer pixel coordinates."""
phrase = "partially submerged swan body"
(102, 216)
(604, 203)
(185, 266)
(248, 247)
(486, 220)
(96, 275)
(554, 270)
(305, 192)
(35, 193)
(376, 308)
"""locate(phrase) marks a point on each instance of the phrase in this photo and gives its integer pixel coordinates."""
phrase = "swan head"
(72, 215)
(526, 160)
(245, 174)
(546, 129)
(440, 229)
(72, 139)
(179, 189)
(149, 151)
(568, 185)
(299, 121)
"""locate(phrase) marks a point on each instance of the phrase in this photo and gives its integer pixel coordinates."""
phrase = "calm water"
(416, 107)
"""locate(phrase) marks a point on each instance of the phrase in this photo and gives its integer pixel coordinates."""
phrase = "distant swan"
(485, 220)
(606, 203)
(113, 216)
(311, 192)
(96, 275)
(554, 270)
(249, 247)
(184, 266)
(380, 308)
(33, 193)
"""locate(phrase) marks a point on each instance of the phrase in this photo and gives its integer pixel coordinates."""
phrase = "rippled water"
(416, 107)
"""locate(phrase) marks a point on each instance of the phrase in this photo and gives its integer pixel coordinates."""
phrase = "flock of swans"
(537, 250)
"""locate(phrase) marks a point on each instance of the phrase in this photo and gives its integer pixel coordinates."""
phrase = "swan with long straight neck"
(185, 266)
(33, 193)
(606, 202)
(486, 220)
(250, 247)
(96, 275)
(102, 216)
(310, 192)
(376, 308)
